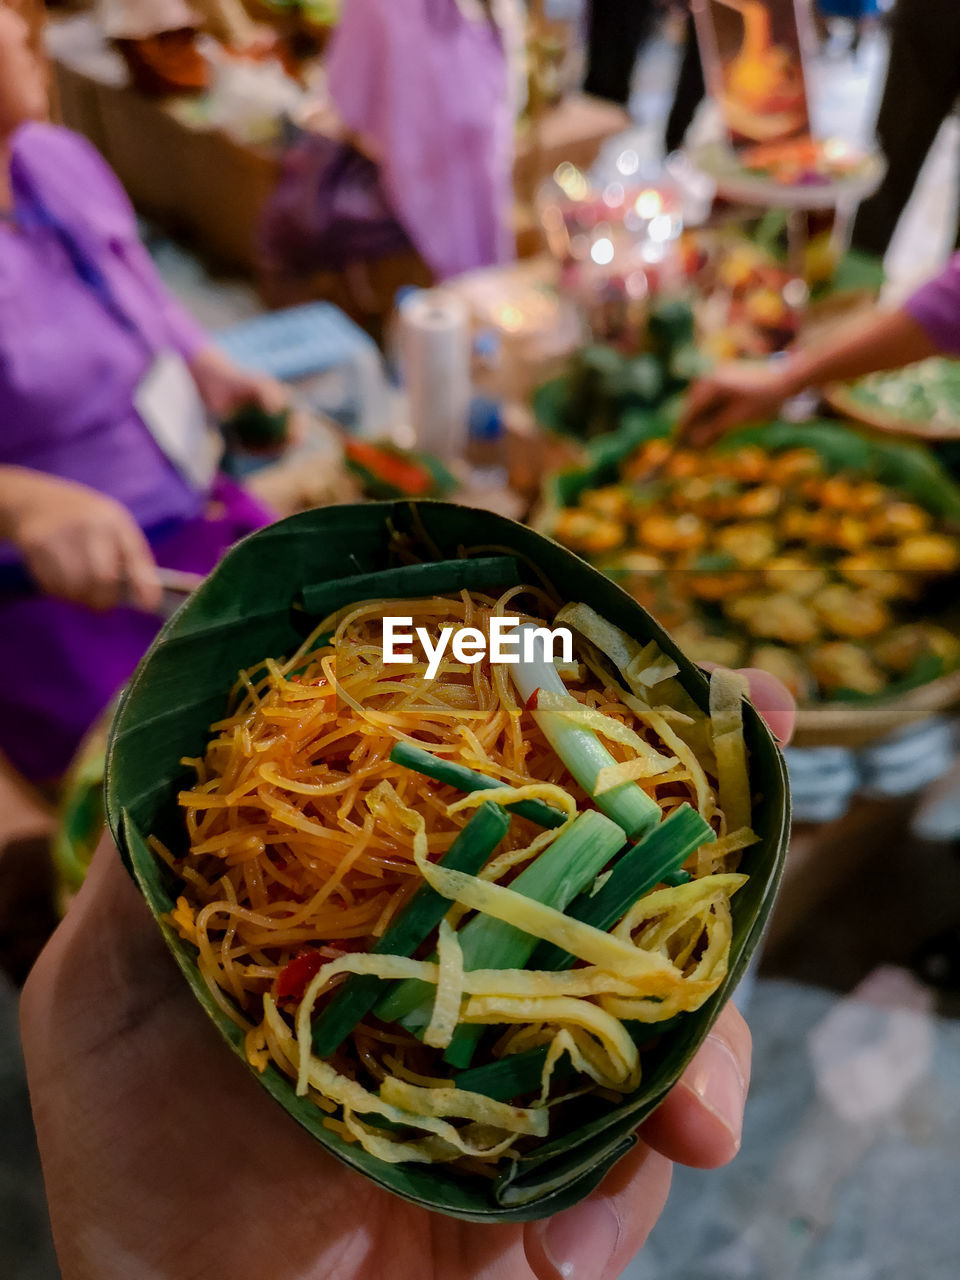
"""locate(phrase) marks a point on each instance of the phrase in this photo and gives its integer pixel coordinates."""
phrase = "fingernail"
(715, 1077)
(582, 1241)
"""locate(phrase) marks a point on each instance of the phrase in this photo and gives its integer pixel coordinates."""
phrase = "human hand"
(77, 543)
(162, 1157)
(771, 697)
(224, 387)
(733, 394)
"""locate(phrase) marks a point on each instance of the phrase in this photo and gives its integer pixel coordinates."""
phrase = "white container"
(434, 328)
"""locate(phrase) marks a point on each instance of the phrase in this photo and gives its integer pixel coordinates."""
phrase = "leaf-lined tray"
(247, 610)
(921, 400)
(906, 465)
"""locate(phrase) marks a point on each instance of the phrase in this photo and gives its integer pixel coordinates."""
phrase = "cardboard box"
(193, 179)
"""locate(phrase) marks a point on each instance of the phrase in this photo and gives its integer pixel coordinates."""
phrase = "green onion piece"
(580, 749)
(636, 873)
(414, 924)
(562, 870)
(419, 580)
(509, 1077)
(674, 878)
(521, 1073)
(464, 779)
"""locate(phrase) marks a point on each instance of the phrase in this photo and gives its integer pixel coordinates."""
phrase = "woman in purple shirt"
(92, 499)
(928, 324)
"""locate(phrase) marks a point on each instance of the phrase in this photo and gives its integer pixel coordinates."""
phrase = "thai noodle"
(306, 841)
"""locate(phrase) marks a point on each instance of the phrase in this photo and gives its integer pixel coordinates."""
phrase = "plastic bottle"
(486, 444)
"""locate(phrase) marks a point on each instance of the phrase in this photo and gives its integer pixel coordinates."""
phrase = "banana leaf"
(244, 612)
(605, 455)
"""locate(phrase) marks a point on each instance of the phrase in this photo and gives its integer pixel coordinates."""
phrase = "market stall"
(469, 926)
(204, 164)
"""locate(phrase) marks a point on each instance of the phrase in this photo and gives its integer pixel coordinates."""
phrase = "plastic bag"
(327, 211)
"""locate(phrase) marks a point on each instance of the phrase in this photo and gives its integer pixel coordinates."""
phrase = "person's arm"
(76, 543)
(744, 392)
(223, 386)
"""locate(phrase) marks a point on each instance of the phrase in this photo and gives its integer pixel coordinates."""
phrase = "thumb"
(700, 1121)
(140, 568)
(596, 1239)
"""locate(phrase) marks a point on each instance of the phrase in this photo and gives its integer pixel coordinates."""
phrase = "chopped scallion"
(564, 869)
(580, 749)
(657, 855)
(356, 997)
(464, 779)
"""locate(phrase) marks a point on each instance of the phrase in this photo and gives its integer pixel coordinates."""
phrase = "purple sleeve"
(67, 176)
(936, 308)
(186, 336)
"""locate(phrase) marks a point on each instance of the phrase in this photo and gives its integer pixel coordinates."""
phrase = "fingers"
(298, 429)
(699, 1124)
(270, 395)
(139, 568)
(726, 413)
(52, 569)
(595, 1240)
(82, 566)
(774, 701)
(104, 571)
(735, 394)
(704, 399)
(700, 1121)
(771, 697)
(91, 551)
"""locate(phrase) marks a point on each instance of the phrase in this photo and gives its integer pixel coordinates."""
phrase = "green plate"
(242, 613)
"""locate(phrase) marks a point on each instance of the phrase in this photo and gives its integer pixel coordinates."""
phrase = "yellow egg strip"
(352, 1096)
(726, 718)
(564, 1011)
(655, 721)
(548, 792)
(612, 775)
(568, 708)
(674, 905)
(446, 1004)
(465, 1105)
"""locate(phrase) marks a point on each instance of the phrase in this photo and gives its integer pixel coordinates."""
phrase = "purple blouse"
(70, 359)
(936, 308)
(82, 314)
(428, 87)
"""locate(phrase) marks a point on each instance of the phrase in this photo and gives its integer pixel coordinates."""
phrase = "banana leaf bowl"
(245, 611)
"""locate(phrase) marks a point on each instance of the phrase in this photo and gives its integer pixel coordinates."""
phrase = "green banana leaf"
(605, 455)
(601, 392)
(247, 610)
(856, 272)
(80, 819)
